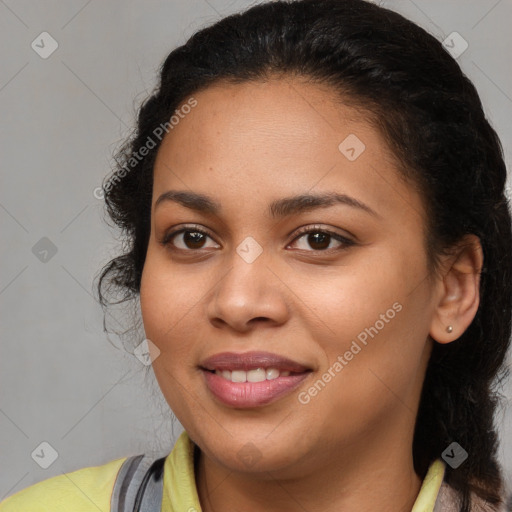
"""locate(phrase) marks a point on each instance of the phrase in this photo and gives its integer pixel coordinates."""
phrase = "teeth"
(257, 375)
(238, 376)
(272, 373)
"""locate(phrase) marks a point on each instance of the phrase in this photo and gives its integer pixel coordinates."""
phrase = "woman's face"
(353, 313)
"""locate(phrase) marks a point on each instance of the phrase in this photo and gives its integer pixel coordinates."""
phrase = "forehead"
(286, 115)
(256, 141)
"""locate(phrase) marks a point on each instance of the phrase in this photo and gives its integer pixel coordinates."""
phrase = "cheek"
(166, 297)
(172, 314)
(346, 303)
(372, 334)
(164, 313)
(154, 303)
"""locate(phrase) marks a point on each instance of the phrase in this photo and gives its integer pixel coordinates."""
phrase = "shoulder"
(83, 490)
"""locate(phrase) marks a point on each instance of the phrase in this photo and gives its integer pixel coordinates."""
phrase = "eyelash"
(346, 243)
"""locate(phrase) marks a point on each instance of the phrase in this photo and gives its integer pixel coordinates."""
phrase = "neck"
(376, 479)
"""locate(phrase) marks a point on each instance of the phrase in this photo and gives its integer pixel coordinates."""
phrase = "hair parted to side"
(431, 116)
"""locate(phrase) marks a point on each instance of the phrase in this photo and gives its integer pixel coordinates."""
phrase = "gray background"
(62, 117)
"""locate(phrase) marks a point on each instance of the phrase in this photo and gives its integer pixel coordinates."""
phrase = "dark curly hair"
(431, 116)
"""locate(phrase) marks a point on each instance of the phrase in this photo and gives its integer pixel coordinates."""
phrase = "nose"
(248, 294)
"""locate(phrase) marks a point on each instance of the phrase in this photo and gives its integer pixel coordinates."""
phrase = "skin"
(350, 447)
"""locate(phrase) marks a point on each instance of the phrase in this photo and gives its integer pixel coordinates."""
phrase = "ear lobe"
(459, 291)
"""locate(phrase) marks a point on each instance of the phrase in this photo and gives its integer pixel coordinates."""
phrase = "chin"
(250, 455)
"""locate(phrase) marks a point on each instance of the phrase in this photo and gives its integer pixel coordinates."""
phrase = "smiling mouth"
(238, 389)
(254, 375)
(251, 379)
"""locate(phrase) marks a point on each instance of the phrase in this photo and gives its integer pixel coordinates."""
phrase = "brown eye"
(193, 239)
(320, 240)
(186, 239)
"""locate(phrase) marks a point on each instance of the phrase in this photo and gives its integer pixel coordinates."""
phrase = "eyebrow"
(277, 209)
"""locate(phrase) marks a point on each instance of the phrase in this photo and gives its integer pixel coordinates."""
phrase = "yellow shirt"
(90, 489)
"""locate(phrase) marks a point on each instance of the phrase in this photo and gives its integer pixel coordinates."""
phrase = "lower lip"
(251, 394)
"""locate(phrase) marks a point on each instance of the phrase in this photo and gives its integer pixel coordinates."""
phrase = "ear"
(458, 291)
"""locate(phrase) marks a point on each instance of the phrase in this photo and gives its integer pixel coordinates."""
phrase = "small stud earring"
(449, 328)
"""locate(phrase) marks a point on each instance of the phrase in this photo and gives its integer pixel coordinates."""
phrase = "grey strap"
(139, 485)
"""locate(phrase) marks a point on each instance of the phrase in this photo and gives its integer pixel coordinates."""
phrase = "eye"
(193, 238)
(190, 238)
(320, 239)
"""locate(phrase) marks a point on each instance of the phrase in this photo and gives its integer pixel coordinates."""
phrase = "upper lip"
(250, 361)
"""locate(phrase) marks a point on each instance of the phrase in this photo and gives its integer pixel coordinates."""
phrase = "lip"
(250, 361)
(244, 395)
(251, 394)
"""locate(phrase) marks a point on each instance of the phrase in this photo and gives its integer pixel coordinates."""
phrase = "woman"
(321, 245)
